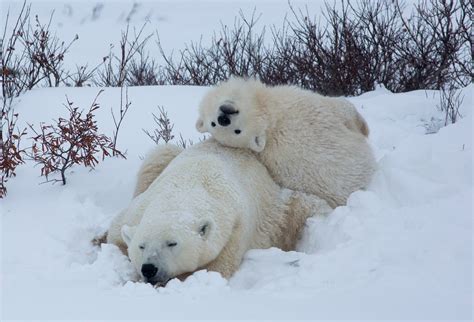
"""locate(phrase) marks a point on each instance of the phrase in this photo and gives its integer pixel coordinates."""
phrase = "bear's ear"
(200, 126)
(204, 229)
(127, 233)
(257, 143)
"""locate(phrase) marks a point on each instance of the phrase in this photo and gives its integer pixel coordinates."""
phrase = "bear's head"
(170, 245)
(231, 113)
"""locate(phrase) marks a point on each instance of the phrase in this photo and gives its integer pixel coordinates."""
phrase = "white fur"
(153, 164)
(228, 190)
(308, 142)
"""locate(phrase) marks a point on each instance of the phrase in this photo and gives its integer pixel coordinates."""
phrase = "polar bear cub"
(308, 142)
(204, 210)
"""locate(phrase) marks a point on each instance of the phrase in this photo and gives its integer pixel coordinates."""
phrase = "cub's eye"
(213, 124)
(142, 247)
(237, 131)
(171, 244)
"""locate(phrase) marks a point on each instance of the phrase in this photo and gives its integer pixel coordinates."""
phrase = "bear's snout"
(149, 270)
(223, 120)
(154, 275)
(226, 112)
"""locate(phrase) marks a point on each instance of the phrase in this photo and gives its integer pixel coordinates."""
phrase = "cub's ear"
(204, 228)
(257, 143)
(127, 233)
(200, 126)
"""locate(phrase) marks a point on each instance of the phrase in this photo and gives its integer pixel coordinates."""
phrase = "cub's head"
(174, 245)
(231, 113)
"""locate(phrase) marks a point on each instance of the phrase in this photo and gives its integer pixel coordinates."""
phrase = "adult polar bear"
(308, 142)
(205, 209)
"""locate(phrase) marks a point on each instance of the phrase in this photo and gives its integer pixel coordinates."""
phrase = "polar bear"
(204, 210)
(308, 142)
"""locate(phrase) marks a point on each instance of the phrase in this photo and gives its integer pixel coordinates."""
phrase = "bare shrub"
(124, 106)
(83, 76)
(143, 70)
(10, 153)
(14, 62)
(45, 54)
(72, 141)
(280, 65)
(352, 49)
(163, 130)
(380, 29)
(328, 58)
(449, 102)
(345, 51)
(115, 69)
(465, 55)
(182, 142)
(342, 51)
(32, 55)
(233, 51)
(432, 45)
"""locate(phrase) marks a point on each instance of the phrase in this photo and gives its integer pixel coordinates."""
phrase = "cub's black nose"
(228, 109)
(149, 270)
(223, 120)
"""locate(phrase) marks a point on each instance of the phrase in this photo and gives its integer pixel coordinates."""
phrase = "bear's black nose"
(149, 270)
(228, 109)
(223, 120)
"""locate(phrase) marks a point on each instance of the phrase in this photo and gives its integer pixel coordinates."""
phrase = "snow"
(402, 249)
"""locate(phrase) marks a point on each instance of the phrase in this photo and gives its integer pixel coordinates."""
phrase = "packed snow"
(402, 249)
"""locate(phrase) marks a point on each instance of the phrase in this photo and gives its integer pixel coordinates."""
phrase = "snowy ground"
(400, 250)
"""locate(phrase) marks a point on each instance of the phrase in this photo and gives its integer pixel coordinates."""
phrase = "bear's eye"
(171, 244)
(142, 247)
(203, 230)
(237, 131)
(213, 124)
